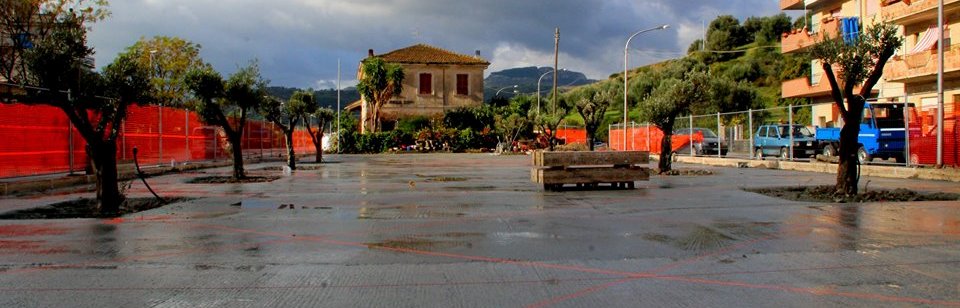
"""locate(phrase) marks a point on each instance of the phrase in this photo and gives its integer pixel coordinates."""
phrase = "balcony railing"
(901, 12)
(921, 66)
(799, 39)
(791, 4)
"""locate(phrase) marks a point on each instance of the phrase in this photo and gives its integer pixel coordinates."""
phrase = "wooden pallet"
(589, 169)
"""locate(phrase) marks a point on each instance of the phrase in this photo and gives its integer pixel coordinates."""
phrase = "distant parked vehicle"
(882, 134)
(774, 140)
(711, 144)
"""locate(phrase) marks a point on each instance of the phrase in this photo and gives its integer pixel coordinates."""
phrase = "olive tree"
(672, 98)
(286, 116)
(228, 103)
(592, 108)
(323, 116)
(859, 61)
(95, 103)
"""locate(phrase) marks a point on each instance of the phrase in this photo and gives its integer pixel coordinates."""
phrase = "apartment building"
(828, 18)
(911, 75)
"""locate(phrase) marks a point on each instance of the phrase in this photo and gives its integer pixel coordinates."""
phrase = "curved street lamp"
(538, 86)
(625, 53)
(504, 88)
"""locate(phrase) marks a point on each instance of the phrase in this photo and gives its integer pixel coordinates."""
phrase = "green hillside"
(746, 53)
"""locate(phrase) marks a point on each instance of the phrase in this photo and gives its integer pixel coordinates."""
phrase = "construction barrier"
(37, 139)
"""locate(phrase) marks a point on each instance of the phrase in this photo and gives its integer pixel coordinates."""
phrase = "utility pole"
(940, 85)
(556, 54)
(338, 107)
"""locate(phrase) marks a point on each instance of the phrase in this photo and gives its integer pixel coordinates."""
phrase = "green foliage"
(547, 122)
(476, 118)
(413, 124)
(678, 91)
(168, 60)
(39, 19)
(858, 60)
(592, 108)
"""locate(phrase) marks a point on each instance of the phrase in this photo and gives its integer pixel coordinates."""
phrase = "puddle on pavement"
(419, 243)
(864, 227)
(406, 212)
(440, 178)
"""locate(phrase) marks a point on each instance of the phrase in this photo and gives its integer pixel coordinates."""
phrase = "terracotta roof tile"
(426, 54)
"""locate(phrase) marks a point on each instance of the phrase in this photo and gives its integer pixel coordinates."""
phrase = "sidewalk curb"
(945, 174)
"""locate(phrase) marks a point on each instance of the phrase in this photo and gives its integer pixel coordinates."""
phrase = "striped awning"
(926, 42)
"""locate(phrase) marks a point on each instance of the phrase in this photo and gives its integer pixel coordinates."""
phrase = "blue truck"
(882, 133)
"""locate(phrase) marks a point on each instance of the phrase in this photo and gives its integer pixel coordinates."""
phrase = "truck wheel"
(759, 154)
(829, 151)
(783, 154)
(863, 156)
(900, 159)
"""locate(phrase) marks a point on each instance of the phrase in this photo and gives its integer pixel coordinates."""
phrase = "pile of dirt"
(87, 208)
(828, 193)
(217, 179)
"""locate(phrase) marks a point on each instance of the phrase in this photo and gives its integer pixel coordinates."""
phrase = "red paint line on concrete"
(629, 276)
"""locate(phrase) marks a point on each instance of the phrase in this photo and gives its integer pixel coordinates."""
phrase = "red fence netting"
(36, 139)
(572, 135)
(923, 135)
(647, 138)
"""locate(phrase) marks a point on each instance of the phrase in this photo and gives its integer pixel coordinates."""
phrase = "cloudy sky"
(298, 42)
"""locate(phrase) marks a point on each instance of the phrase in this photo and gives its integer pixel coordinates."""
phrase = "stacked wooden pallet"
(589, 169)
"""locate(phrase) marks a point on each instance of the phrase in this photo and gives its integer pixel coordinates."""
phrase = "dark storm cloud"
(299, 41)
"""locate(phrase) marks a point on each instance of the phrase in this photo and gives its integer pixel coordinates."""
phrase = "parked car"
(710, 145)
(774, 140)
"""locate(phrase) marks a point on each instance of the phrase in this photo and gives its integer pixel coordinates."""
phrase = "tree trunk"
(108, 190)
(666, 148)
(848, 169)
(318, 145)
(590, 142)
(237, 156)
(666, 152)
(291, 156)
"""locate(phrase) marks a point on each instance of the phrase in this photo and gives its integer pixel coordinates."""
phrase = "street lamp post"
(626, 52)
(504, 88)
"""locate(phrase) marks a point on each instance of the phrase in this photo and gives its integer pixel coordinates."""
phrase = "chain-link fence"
(890, 133)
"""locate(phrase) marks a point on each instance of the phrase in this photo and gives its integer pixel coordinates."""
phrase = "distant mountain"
(526, 80)
(325, 98)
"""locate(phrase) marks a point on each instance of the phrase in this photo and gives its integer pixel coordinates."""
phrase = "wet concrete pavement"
(471, 230)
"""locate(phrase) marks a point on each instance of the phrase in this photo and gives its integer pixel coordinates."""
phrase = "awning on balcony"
(926, 42)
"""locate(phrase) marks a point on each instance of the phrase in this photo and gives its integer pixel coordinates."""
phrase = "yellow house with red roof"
(436, 80)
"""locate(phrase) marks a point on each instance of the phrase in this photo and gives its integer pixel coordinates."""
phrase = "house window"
(426, 83)
(463, 87)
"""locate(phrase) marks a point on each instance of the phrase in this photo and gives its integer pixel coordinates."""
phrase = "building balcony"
(803, 88)
(791, 5)
(917, 10)
(800, 39)
(922, 66)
